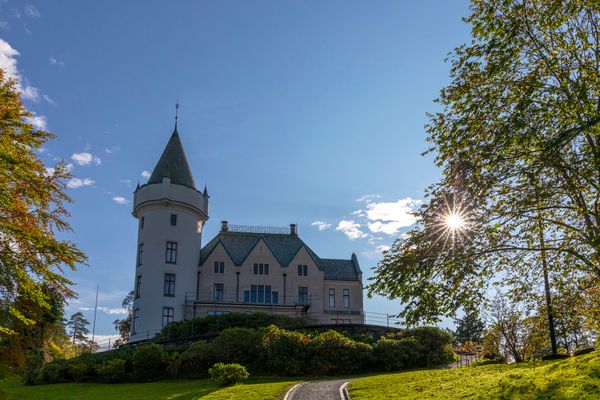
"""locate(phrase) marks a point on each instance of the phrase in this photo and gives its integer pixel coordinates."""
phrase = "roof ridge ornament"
(176, 114)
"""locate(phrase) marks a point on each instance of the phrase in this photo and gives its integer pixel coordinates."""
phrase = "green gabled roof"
(173, 164)
(284, 247)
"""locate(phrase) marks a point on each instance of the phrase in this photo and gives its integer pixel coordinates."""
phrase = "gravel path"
(317, 390)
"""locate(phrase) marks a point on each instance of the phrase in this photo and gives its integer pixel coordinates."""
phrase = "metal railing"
(281, 230)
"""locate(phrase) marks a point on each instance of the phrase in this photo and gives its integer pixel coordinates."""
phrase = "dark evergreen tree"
(469, 329)
(78, 328)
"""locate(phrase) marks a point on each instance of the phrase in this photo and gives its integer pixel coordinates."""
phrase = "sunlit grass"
(574, 378)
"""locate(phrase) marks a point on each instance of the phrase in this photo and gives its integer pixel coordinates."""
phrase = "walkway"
(318, 390)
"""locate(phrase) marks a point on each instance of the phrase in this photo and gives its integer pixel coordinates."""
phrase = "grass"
(267, 388)
(573, 378)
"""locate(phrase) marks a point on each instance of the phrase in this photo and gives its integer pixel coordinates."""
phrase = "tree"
(123, 326)
(31, 211)
(518, 139)
(469, 328)
(77, 327)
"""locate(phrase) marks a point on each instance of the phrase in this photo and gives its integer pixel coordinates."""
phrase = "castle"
(243, 269)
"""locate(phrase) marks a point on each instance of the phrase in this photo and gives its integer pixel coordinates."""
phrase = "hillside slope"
(573, 378)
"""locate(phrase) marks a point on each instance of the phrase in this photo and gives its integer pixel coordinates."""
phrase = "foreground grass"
(271, 389)
(573, 378)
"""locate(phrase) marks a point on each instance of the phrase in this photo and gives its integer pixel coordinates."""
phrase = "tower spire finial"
(176, 113)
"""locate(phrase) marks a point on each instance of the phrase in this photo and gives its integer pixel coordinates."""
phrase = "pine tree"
(78, 328)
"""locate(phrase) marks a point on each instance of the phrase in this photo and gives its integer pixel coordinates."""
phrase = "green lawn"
(573, 378)
(271, 389)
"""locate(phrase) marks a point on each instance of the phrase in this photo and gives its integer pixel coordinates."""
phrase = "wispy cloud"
(126, 182)
(106, 310)
(32, 11)
(56, 61)
(4, 25)
(112, 149)
(86, 158)
(120, 200)
(322, 225)
(146, 174)
(8, 62)
(75, 183)
(377, 252)
(390, 217)
(367, 198)
(351, 229)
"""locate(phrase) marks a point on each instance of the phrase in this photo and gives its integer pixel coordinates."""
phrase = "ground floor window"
(261, 294)
(168, 315)
(219, 288)
(134, 323)
(302, 295)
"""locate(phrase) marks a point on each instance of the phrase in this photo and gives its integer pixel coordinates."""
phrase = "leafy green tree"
(518, 139)
(469, 328)
(77, 327)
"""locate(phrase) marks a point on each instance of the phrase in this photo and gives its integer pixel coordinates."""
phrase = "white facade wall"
(155, 204)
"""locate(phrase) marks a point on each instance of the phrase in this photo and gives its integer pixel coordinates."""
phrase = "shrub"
(195, 361)
(148, 363)
(396, 354)
(112, 371)
(238, 345)
(51, 372)
(228, 374)
(213, 324)
(173, 363)
(283, 352)
(333, 353)
(77, 371)
(435, 345)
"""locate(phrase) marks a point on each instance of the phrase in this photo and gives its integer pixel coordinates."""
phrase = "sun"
(454, 221)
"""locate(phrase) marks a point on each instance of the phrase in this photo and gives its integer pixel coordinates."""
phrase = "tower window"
(346, 298)
(134, 322)
(218, 292)
(302, 270)
(219, 267)
(142, 223)
(169, 289)
(138, 286)
(331, 298)
(173, 219)
(302, 295)
(171, 256)
(261, 269)
(168, 315)
(140, 256)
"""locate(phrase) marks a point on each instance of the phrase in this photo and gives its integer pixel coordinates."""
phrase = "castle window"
(134, 322)
(174, 219)
(261, 294)
(302, 270)
(171, 256)
(331, 298)
(138, 286)
(218, 292)
(142, 223)
(140, 257)
(219, 267)
(168, 315)
(346, 298)
(169, 287)
(261, 269)
(302, 295)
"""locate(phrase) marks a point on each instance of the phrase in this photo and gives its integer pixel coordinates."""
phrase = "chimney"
(224, 226)
(293, 230)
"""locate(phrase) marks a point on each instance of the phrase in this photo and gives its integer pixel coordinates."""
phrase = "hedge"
(264, 351)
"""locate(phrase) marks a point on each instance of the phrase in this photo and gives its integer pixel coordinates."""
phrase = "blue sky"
(290, 111)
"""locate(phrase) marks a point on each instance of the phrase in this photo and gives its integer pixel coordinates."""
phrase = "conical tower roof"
(173, 164)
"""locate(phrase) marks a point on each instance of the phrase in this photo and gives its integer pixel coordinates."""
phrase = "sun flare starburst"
(451, 225)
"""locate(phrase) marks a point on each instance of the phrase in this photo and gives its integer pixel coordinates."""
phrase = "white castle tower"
(171, 213)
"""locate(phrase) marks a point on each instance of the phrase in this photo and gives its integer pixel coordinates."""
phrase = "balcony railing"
(229, 298)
